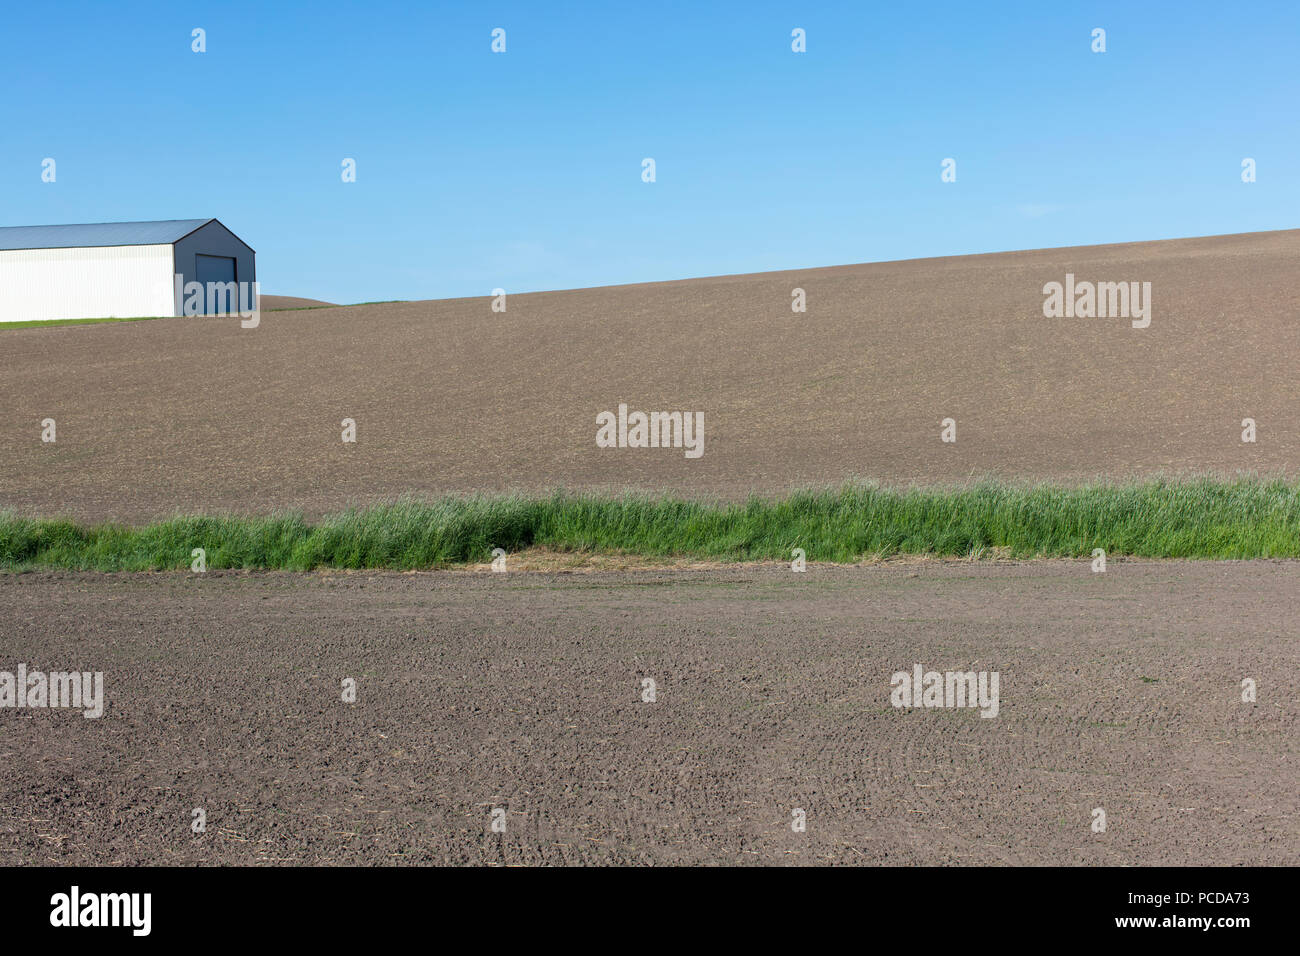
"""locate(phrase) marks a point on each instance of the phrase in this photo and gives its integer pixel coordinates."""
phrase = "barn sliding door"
(217, 271)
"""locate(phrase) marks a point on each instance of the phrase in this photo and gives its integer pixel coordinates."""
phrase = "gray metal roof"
(99, 234)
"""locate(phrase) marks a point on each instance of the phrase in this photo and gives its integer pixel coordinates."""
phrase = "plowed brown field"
(200, 414)
(521, 692)
(1118, 691)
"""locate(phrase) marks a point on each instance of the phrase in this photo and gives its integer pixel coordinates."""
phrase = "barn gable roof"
(84, 235)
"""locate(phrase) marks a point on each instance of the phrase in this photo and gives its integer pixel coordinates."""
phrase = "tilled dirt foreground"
(1119, 692)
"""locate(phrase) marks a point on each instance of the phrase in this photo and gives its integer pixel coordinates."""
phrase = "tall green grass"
(1247, 518)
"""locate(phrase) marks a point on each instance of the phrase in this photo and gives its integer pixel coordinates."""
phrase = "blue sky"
(522, 170)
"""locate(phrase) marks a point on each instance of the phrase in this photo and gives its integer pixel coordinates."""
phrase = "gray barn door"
(216, 269)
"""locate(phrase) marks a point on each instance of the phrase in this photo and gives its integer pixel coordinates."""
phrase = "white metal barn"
(116, 269)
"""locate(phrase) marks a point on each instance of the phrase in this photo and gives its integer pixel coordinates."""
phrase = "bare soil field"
(271, 303)
(448, 396)
(523, 692)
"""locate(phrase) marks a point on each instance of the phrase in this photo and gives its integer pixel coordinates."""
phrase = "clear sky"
(522, 170)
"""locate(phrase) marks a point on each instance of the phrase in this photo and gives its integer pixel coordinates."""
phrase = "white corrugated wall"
(110, 282)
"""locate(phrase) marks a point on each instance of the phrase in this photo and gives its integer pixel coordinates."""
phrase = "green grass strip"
(1201, 518)
(55, 323)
